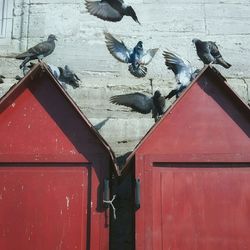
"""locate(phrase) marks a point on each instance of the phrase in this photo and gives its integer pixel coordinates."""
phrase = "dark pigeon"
(1, 78)
(68, 76)
(183, 70)
(142, 103)
(208, 52)
(63, 75)
(110, 10)
(39, 51)
(136, 57)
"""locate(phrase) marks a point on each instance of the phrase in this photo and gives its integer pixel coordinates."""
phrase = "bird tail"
(139, 72)
(223, 63)
(171, 94)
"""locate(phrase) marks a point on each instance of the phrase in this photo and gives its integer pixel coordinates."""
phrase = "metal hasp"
(106, 198)
(52, 167)
(194, 171)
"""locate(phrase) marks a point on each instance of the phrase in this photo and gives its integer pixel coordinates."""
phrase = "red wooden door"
(193, 207)
(44, 207)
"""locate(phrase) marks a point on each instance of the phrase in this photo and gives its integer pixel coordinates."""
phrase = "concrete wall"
(167, 24)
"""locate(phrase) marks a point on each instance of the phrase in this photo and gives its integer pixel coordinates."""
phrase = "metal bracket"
(110, 202)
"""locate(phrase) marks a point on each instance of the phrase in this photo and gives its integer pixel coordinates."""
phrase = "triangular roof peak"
(31, 80)
(207, 106)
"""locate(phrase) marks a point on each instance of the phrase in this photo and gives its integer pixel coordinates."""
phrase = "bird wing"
(39, 49)
(137, 101)
(175, 63)
(214, 50)
(117, 48)
(148, 56)
(103, 10)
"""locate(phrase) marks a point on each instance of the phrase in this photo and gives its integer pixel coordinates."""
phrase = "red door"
(45, 207)
(194, 207)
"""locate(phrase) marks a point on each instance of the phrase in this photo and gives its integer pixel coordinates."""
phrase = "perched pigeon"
(65, 75)
(208, 52)
(184, 72)
(110, 10)
(39, 51)
(136, 58)
(1, 78)
(142, 103)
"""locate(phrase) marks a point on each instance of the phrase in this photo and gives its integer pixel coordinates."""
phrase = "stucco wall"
(167, 24)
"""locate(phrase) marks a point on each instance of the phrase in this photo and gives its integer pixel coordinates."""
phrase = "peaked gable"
(209, 122)
(39, 121)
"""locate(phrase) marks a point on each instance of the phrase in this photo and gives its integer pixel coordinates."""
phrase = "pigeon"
(208, 52)
(184, 72)
(65, 75)
(1, 78)
(136, 58)
(110, 10)
(142, 103)
(39, 51)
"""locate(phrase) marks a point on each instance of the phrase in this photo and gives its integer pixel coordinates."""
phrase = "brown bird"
(39, 51)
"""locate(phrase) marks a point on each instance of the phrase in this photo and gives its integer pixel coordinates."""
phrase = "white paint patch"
(29, 126)
(13, 105)
(67, 202)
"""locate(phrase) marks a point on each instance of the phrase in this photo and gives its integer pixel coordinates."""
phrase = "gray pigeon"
(65, 75)
(142, 103)
(208, 52)
(1, 78)
(184, 72)
(110, 10)
(39, 51)
(136, 57)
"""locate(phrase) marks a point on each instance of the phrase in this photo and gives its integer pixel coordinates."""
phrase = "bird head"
(139, 45)
(52, 37)
(157, 94)
(130, 12)
(195, 40)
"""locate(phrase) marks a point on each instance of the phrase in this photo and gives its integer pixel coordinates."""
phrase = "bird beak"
(138, 21)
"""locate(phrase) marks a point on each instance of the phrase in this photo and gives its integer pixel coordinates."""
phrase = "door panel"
(198, 207)
(44, 207)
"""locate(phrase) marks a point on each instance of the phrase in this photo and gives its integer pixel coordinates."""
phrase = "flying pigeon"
(184, 72)
(136, 57)
(110, 10)
(208, 52)
(39, 51)
(142, 103)
(1, 78)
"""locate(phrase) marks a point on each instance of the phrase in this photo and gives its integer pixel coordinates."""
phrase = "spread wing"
(148, 56)
(103, 10)
(117, 48)
(176, 63)
(137, 101)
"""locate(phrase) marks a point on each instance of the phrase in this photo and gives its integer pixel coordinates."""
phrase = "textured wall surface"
(167, 24)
